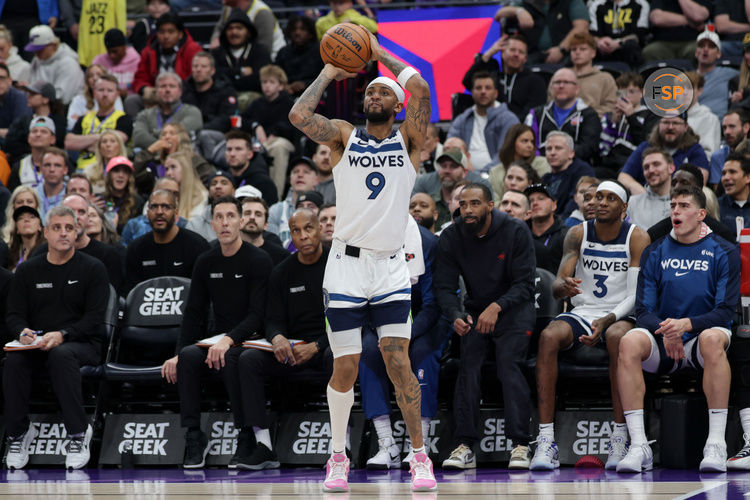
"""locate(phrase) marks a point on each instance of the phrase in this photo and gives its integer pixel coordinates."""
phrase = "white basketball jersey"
(603, 270)
(373, 181)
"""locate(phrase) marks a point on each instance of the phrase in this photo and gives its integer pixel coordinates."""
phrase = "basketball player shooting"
(366, 278)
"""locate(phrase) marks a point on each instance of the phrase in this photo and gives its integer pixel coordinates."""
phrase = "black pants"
(510, 354)
(63, 364)
(192, 368)
(256, 367)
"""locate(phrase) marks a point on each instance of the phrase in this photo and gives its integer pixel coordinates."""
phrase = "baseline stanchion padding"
(51, 445)
(304, 438)
(153, 439)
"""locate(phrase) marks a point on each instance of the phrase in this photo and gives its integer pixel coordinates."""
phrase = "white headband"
(615, 188)
(395, 87)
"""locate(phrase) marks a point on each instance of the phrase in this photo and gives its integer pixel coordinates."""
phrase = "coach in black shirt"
(295, 311)
(166, 251)
(232, 278)
(58, 300)
(83, 243)
(495, 255)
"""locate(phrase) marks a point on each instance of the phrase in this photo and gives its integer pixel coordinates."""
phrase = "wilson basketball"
(346, 46)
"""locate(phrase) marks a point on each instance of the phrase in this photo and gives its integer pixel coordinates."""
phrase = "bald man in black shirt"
(57, 300)
(295, 311)
(166, 251)
(232, 278)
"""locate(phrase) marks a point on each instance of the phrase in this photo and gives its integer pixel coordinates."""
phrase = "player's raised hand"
(374, 47)
(336, 73)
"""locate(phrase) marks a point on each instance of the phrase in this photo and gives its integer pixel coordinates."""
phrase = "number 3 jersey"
(373, 180)
(603, 270)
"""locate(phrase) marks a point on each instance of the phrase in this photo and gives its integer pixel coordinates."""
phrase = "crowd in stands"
(148, 153)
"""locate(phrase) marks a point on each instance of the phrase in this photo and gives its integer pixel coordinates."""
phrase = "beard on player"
(377, 117)
(474, 224)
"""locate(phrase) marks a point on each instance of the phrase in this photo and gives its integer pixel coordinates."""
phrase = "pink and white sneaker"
(337, 474)
(422, 477)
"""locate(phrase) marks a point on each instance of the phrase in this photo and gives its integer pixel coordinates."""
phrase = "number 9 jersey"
(603, 270)
(373, 180)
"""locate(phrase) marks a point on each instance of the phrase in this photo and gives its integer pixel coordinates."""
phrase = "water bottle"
(110, 213)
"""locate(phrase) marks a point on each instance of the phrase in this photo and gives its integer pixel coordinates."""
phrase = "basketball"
(346, 46)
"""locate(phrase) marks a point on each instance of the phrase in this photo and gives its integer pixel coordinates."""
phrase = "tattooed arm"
(565, 285)
(414, 128)
(333, 133)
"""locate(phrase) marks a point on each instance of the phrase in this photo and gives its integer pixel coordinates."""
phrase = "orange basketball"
(346, 46)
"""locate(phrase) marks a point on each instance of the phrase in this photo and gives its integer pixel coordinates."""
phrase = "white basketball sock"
(636, 427)
(745, 419)
(339, 406)
(547, 430)
(717, 425)
(382, 425)
(620, 430)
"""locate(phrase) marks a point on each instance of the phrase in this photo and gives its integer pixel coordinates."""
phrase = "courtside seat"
(108, 330)
(149, 330)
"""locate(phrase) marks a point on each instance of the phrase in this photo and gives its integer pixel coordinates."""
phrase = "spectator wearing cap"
(547, 229)
(13, 102)
(255, 226)
(20, 17)
(214, 97)
(138, 226)
(27, 170)
(120, 60)
(119, 191)
(246, 167)
(41, 98)
(303, 177)
(267, 119)
(716, 91)
(565, 170)
(53, 170)
(171, 50)
(25, 236)
(19, 68)
(672, 134)
(440, 183)
(732, 21)
(104, 253)
(54, 62)
(239, 58)
(219, 184)
(675, 26)
(88, 129)
(146, 26)
(98, 17)
(648, 208)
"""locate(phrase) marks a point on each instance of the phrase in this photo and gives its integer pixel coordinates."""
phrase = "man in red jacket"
(171, 49)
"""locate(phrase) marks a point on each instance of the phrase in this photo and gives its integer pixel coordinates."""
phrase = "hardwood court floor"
(172, 484)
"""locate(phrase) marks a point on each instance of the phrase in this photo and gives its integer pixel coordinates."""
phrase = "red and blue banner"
(440, 43)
